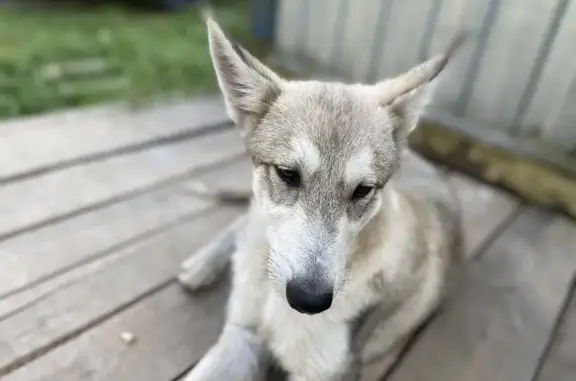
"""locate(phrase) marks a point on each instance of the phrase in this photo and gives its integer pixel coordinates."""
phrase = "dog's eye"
(290, 176)
(361, 191)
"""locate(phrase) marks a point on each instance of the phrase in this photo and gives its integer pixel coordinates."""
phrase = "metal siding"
(457, 15)
(515, 69)
(285, 36)
(548, 105)
(321, 31)
(508, 60)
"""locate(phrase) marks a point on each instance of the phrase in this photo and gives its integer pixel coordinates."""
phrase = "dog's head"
(322, 154)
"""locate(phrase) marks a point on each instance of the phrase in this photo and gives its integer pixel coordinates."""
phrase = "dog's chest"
(300, 341)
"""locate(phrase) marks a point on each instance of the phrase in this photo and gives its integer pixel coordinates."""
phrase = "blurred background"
(98, 201)
(56, 54)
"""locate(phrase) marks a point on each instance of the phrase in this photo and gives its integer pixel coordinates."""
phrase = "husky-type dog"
(350, 238)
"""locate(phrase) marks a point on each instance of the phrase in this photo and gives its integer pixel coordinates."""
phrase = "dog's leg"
(239, 354)
(209, 262)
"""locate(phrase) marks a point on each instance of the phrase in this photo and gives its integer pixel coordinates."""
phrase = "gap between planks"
(132, 274)
(558, 362)
(37, 145)
(124, 150)
(38, 264)
(60, 195)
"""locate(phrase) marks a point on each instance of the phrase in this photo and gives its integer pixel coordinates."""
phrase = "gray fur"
(387, 254)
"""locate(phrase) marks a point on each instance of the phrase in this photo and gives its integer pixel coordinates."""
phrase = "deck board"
(36, 264)
(172, 330)
(78, 305)
(36, 201)
(61, 308)
(498, 321)
(37, 144)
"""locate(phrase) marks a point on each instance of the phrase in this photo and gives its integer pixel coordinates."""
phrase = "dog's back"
(434, 198)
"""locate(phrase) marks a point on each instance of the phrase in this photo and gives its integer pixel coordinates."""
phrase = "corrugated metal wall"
(516, 73)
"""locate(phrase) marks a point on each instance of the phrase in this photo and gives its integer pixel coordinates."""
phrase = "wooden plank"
(172, 330)
(33, 265)
(496, 324)
(135, 272)
(560, 362)
(539, 176)
(37, 201)
(484, 210)
(29, 145)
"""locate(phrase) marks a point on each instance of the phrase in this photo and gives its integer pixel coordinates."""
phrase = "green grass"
(76, 57)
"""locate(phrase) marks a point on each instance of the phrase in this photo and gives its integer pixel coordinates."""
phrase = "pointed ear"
(407, 95)
(248, 86)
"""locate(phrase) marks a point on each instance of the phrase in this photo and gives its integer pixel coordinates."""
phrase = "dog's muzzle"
(308, 297)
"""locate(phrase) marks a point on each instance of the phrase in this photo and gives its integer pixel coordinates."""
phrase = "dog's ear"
(407, 95)
(248, 86)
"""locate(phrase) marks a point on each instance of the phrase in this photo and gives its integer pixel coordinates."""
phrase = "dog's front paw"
(205, 266)
(197, 274)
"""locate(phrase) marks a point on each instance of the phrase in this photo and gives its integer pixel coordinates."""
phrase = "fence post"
(264, 19)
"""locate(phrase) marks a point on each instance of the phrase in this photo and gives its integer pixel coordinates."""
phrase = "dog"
(350, 239)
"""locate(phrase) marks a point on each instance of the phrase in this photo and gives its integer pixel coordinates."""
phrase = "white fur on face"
(342, 249)
(359, 166)
(306, 153)
(292, 240)
(287, 235)
(256, 185)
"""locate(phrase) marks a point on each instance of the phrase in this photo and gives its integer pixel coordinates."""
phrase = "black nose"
(308, 298)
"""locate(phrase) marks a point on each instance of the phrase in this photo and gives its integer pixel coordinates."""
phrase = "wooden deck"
(97, 216)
